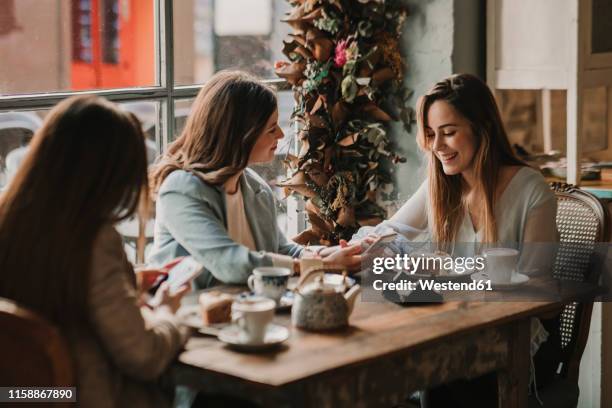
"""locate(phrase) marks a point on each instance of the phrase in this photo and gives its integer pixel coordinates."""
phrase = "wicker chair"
(32, 351)
(582, 221)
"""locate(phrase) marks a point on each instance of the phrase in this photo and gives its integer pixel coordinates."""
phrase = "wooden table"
(387, 352)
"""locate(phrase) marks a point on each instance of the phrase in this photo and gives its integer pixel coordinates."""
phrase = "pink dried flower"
(340, 56)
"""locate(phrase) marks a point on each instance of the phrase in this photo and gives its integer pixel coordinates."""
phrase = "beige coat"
(125, 350)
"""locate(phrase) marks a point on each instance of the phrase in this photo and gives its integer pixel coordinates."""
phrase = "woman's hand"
(164, 299)
(364, 242)
(146, 278)
(347, 257)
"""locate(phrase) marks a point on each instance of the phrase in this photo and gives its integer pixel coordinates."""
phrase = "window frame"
(165, 93)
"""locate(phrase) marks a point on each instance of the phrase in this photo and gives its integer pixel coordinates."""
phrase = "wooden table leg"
(513, 382)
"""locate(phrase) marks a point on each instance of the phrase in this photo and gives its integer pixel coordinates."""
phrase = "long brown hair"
(227, 117)
(471, 98)
(85, 167)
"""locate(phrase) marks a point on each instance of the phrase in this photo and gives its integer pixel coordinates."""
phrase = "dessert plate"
(191, 316)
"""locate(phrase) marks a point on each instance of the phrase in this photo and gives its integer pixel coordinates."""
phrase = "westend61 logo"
(428, 264)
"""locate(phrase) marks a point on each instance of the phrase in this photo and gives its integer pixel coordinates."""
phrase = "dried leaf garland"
(346, 72)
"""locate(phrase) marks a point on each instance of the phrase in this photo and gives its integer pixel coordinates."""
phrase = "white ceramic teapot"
(321, 306)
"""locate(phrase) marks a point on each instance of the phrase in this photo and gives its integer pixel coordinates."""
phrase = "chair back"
(33, 353)
(582, 221)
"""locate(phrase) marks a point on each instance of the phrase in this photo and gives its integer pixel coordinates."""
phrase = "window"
(150, 56)
(212, 35)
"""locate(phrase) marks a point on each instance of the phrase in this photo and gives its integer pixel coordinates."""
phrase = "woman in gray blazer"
(209, 204)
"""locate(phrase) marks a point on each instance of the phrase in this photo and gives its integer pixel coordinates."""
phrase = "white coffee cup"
(269, 281)
(500, 263)
(253, 315)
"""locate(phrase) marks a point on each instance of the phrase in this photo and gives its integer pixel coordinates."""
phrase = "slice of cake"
(216, 307)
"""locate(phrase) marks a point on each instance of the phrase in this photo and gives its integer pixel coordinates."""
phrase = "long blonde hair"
(471, 98)
(227, 117)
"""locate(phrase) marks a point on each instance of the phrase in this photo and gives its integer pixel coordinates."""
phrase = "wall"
(469, 37)
(440, 37)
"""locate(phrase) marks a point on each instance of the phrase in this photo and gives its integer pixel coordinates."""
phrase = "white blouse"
(525, 214)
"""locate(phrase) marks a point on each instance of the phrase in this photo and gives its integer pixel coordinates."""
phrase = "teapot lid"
(318, 286)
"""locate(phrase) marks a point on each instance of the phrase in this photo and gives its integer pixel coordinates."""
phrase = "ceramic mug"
(253, 315)
(500, 264)
(270, 282)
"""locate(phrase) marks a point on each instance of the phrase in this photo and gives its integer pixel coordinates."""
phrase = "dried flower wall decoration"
(346, 71)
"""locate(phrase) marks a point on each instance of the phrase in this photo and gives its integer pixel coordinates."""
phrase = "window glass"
(181, 111)
(16, 131)
(76, 45)
(18, 127)
(213, 35)
(148, 114)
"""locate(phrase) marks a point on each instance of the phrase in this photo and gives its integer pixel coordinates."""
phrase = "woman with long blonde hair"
(210, 204)
(478, 194)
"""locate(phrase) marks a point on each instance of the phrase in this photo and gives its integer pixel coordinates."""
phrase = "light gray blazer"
(191, 220)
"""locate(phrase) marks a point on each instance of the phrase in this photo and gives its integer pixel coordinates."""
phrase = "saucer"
(285, 303)
(234, 338)
(517, 280)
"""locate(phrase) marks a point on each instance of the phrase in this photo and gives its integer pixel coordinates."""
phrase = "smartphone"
(384, 238)
(183, 273)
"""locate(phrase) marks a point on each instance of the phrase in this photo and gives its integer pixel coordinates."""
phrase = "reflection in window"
(76, 45)
(8, 20)
(227, 34)
(113, 44)
(82, 44)
(110, 32)
(16, 131)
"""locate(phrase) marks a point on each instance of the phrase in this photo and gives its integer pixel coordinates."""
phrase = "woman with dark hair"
(210, 205)
(60, 256)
